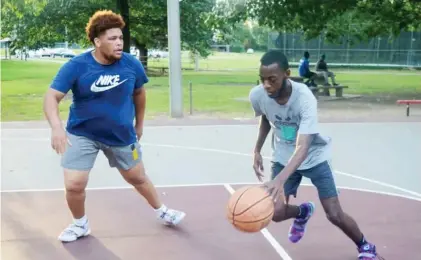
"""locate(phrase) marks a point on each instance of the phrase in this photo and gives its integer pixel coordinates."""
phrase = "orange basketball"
(250, 209)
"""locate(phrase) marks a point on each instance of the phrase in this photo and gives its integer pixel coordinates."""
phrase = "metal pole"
(66, 43)
(269, 42)
(174, 47)
(191, 97)
(347, 45)
(409, 57)
(320, 45)
(285, 42)
(196, 62)
(293, 47)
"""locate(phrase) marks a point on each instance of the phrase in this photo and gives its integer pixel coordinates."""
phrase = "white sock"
(81, 222)
(161, 210)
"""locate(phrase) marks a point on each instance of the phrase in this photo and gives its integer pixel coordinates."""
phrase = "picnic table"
(316, 90)
(325, 89)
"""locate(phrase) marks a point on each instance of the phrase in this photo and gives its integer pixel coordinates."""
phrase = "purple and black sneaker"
(298, 227)
(368, 252)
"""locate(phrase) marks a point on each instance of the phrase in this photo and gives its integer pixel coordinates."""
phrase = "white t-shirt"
(297, 116)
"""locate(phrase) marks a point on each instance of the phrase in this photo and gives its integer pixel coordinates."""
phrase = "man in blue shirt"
(108, 94)
(304, 70)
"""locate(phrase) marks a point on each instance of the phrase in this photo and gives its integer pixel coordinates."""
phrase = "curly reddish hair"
(101, 21)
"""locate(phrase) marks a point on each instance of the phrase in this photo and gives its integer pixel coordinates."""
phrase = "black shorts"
(320, 175)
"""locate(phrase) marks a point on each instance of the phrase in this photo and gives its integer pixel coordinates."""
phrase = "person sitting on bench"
(304, 70)
(321, 69)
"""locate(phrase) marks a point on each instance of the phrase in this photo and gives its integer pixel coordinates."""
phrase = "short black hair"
(275, 56)
(306, 54)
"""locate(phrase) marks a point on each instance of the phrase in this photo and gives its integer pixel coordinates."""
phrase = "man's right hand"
(258, 166)
(59, 140)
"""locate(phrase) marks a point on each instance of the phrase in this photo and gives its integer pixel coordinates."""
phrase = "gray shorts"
(81, 155)
(320, 175)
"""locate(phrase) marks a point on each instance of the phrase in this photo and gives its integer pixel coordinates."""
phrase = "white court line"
(391, 194)
(379, 183)
(268, 158)
(384, 184)
(272, 241)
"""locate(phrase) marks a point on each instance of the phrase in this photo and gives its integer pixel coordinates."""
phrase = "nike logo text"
(106, 82)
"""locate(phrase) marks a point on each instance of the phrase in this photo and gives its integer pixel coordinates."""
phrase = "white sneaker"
(73, 232)
(172, 217)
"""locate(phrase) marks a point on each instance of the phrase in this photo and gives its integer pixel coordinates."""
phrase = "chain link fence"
(403, 51)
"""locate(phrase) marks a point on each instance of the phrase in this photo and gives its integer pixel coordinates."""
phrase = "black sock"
(361, 242)
(303, 211)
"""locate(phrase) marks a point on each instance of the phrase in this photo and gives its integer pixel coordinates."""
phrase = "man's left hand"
(139, 131)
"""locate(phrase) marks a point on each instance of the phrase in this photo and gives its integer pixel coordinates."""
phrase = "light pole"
(174, 47)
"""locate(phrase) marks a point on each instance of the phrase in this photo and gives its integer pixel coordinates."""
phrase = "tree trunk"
(123, 7)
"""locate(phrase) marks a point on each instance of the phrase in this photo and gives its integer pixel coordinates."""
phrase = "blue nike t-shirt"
(102, 108)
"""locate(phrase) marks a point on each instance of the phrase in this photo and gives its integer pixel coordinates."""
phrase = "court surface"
(377, 168)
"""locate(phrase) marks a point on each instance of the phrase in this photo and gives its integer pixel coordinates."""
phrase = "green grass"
(216, 61)
(24, 84)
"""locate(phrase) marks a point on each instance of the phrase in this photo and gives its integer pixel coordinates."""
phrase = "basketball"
(250, 209)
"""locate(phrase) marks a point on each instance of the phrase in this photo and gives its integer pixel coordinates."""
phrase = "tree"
(360, 19)
(19, 21)
(124, 9)
(147, 23)
(242, 36)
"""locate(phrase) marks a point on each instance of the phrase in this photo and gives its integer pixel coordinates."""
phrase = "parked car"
(44, 52)
(63, 53)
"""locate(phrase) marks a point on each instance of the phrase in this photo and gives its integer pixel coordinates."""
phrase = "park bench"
(315, 90)
(338, 90)
(164, 69)
(408, 103)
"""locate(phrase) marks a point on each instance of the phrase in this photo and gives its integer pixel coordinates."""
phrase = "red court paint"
(124, 227)
(385, 220)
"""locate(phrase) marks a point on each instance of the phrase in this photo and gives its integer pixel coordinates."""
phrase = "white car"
(44, 52)
(64, 53)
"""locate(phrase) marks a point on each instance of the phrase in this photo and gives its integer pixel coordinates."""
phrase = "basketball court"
(196, 168)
